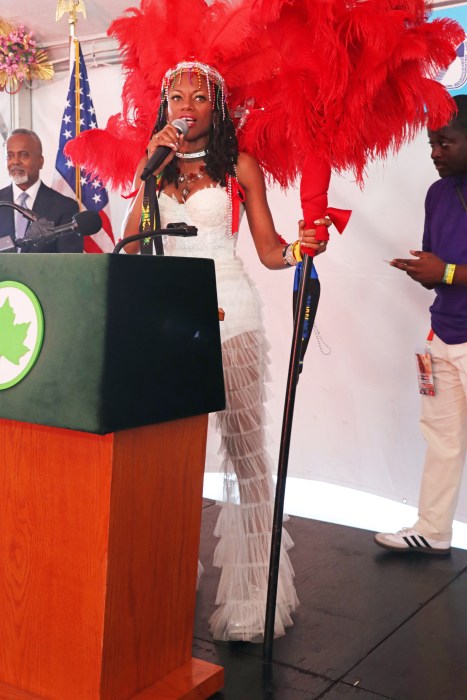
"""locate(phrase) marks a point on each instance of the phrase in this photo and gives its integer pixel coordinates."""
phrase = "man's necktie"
(21, 221)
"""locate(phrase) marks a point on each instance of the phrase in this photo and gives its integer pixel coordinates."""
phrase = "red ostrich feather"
(335, 81)
(367, 82)
(221, 37)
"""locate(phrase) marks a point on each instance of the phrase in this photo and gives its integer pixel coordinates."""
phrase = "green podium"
(102, 448)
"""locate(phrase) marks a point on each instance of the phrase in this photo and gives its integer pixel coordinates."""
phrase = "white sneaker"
(410, 540)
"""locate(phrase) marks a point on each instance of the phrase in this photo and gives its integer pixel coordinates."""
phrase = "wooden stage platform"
(372, 625)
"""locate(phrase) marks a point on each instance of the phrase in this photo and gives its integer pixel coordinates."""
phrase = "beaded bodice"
(209, 210)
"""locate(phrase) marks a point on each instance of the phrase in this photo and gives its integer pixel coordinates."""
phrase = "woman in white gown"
(200, 182)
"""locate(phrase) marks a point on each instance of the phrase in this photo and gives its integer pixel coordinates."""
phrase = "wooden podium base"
(99, 540)
(195, 680)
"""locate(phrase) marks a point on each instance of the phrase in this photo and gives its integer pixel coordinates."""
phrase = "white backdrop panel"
(356, 415)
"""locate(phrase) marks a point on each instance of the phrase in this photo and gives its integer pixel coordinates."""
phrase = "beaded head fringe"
(196, 70)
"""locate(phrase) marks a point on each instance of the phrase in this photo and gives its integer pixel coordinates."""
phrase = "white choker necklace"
(191, 156)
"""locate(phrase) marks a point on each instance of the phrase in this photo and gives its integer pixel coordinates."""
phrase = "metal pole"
(292, 380)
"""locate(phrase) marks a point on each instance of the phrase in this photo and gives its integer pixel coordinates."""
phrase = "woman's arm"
(132, 218)
(268, 246)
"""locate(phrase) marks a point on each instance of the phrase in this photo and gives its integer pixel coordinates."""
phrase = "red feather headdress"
(220, 36)
(338, 82)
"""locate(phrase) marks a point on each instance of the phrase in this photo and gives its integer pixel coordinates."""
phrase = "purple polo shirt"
(445, 235)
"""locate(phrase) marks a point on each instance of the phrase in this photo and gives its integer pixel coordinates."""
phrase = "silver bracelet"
(289, 258)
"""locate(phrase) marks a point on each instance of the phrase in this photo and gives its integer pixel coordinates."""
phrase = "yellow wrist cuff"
(449, 273)
(296, 251)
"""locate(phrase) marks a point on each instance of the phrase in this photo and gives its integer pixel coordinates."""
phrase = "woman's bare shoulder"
(248, 169)
(245, 160)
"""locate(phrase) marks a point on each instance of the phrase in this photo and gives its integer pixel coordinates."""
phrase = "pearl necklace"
(190, 156)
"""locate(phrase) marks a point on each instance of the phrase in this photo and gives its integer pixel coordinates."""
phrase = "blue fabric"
(445, 235)
(312, 290)
(298, 274)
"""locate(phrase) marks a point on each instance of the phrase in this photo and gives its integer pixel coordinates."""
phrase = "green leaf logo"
(12, 335)
(21, 332)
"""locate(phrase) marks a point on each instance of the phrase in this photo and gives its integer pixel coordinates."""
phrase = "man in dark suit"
(24, 162)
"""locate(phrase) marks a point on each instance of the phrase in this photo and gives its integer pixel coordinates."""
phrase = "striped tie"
(21, 221)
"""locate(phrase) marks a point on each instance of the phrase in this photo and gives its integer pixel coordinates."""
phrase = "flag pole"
(75, 45)
(79, 116)
(72, 7)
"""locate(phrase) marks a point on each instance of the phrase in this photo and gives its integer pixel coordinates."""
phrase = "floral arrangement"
(20, 59)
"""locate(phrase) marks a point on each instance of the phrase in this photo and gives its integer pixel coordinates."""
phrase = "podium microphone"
(161, 152)
(85, 223)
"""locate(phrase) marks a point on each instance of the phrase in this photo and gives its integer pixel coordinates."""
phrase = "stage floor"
(371, 625)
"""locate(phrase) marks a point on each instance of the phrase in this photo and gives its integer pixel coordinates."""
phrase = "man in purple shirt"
(442, 266)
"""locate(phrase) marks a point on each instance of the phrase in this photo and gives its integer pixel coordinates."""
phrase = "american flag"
(80, 115)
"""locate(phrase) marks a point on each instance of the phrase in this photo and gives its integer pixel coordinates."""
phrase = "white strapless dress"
(244, 525)
(208, 210)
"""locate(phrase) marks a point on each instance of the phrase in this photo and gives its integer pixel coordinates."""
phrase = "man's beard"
(19, 178)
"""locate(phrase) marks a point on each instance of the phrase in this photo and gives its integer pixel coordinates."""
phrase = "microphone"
(85, 223)
(161, 152)
(176, 229)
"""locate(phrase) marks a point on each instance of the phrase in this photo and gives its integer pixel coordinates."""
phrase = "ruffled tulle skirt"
(245, 522)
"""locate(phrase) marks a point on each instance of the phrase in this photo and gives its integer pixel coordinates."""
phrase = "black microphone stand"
(39, 232)
(27, 213)
(178, 229)
(305, 310)
(42, 231)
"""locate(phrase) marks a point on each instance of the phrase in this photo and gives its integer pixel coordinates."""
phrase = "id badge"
(425, 373)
